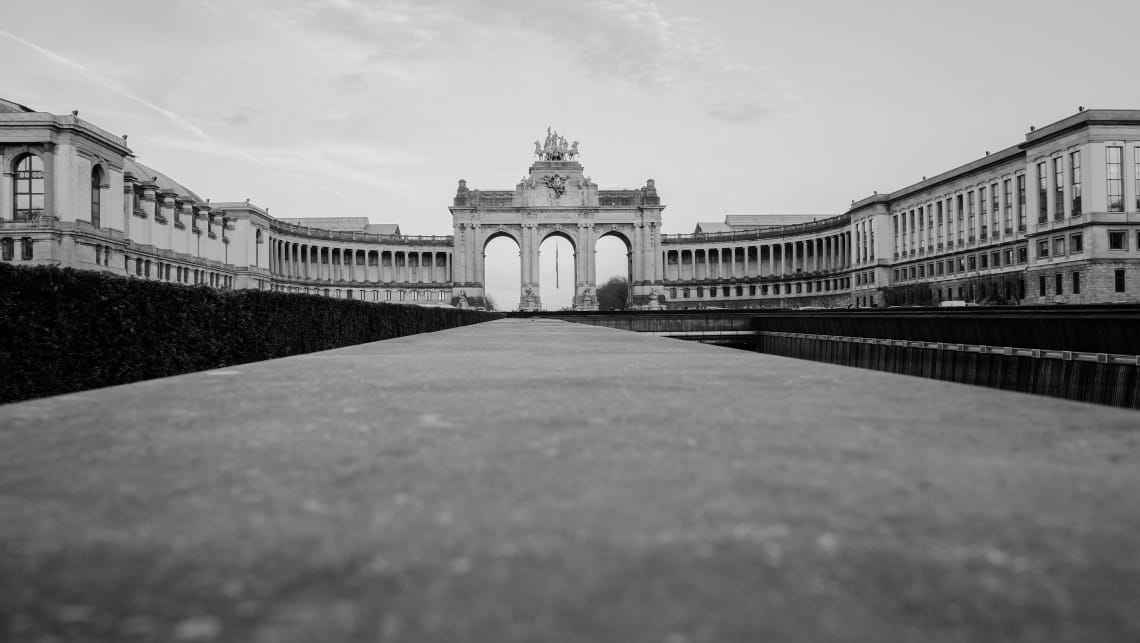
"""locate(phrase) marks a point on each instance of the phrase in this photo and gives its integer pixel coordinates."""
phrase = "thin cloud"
(109, 84)
(745, 111)
(637, 43)
(343, 162)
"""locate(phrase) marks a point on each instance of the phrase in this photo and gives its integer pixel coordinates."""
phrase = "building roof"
(383, 228)
(737, 222)
(357, 224)
(712, 226)
(752, 221)
(344, 224)
(8, 107)
(144, 173)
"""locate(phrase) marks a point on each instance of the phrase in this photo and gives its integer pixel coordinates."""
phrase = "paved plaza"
(536, 480)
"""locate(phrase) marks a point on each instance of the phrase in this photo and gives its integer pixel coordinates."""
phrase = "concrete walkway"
(531, 480)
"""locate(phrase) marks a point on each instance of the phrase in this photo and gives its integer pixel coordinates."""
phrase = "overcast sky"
(376, 108)
(339, 107)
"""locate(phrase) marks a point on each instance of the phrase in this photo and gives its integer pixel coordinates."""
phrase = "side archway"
(502, 272)
(613, 258)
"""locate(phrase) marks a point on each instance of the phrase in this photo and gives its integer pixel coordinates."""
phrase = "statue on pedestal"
(555, 148)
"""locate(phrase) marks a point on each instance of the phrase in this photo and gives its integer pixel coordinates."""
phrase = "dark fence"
(1086, 378)
(1113, 328)
(1086, 353)
(1089, 328)
(66, 330)
(682, 321)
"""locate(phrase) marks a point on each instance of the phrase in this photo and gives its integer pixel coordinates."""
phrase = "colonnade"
(301, 261)
(784, 258)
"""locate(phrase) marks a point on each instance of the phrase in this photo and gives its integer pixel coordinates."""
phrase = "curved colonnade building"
(1055, 218)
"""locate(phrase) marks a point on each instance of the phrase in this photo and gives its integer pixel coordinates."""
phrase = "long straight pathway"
(532, 480)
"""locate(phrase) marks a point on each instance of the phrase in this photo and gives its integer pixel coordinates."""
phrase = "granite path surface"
(535, 480)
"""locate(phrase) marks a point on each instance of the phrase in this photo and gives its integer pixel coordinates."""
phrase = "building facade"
(1053, 219)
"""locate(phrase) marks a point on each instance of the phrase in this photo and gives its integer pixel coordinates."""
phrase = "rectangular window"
(970, 206)
(921, 271)
(910, 242)
(995, 208)
(1136, 173)
(895, 220)
(960, 227)
(1076, 283)
(1041, 286)
(1059, 247)
(1042, 194)
(983, 261)
(1009, 256)
(1076, 243)
(941, 268)
(1058, 283)
(1118, 278)
(1117, 240)
(1023, 254)
(1114, 159)
(1007, 189)
(1042, 248)
(995, 259)
(984, 208)
(1021, 207)
(938, 209)
(26, 249)
(972, 262)
(1059, 188)
(1075, 175)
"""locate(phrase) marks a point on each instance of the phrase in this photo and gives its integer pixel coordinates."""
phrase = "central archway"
(558, 270)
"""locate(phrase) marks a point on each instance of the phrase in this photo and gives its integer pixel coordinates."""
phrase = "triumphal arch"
(556, 199)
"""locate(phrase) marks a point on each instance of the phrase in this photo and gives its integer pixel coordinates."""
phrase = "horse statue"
(538, 150)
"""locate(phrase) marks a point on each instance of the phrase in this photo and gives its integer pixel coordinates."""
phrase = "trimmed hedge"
(64, 330)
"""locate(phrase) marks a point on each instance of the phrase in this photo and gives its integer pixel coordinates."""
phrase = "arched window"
(29, 188)
(96, 195)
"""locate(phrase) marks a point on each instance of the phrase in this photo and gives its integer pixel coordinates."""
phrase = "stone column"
(524, 259)
(591, 257)
(648, 252)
